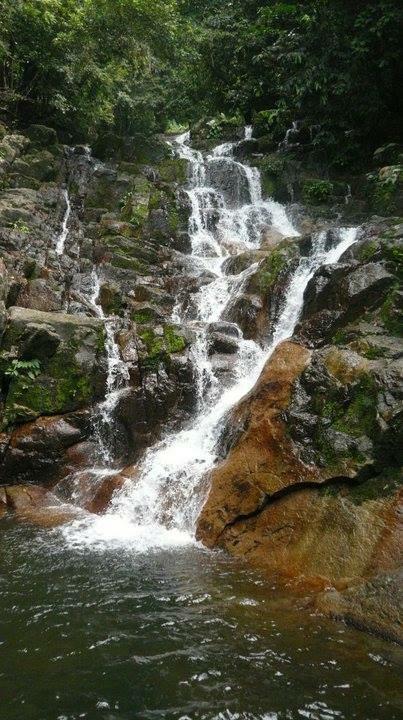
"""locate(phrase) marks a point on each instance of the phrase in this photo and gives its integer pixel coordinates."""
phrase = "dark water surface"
(182, 634)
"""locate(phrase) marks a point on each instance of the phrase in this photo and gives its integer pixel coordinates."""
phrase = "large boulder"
(50, 363)
(37, 450)
(310, 483)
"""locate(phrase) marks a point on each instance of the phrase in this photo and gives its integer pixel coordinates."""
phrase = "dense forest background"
(88, 67)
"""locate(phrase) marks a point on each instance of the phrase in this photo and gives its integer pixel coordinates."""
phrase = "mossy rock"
(159, 347)
(208, 132)
(41, 166)
(280, 175)
(130, 168)
(129, 263)
(391, 312)
(173, 170)
(111, 300)
(145, 313)
(70, 350)
(271, 268)
(42, 135)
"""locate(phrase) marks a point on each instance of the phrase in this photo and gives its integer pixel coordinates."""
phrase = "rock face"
(125, 221)
(309, 486)
(255, 434)
(69, 350)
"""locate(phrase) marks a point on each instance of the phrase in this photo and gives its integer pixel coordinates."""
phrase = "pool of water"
(176, 634)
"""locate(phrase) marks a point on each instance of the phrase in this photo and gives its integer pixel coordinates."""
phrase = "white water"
(160, 507)
(117, 372)
(61, 240)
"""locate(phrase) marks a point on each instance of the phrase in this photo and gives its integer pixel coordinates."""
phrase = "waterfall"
(159, 508)
(61, 240)
(117, 374)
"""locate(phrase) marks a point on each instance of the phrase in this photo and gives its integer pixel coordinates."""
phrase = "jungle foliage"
(135, 65)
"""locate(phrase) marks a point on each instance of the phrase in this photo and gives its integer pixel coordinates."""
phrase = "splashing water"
(159, 508)
(61, 240)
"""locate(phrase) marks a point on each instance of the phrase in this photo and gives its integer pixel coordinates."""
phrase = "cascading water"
(160, 507)
(117, 374)
(61, 240)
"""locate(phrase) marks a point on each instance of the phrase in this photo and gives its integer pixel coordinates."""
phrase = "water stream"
(117, 376)
(159, 508)
(61, 239)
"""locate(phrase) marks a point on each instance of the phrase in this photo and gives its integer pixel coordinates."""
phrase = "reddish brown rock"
(35, 504)
(373, 605)
(108, 488)
(92, 490)
(36, 450)
(262, 461)
(3, 502)
(321, 538)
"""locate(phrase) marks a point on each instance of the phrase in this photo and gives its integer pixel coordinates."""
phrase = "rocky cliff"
(85, 243)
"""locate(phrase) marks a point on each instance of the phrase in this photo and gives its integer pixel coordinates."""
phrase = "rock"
(236, 264)
(319, 538)
(110, 299)
(42, 135)
(37, 450)
(3, 502)
(38, 294)
(373, 606)
(108, 488)
(246, 312)
(225, 328)
(36, 505)
(261, 460)
(70, 352)
(220, 342)
(311, 418)
(345, 289)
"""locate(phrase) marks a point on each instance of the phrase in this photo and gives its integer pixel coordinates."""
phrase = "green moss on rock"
(174, 342)
(173, 170)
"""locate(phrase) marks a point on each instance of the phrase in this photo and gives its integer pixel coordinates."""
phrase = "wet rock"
(225, 328)
(108, 488)
(36, 505)
(346, 288)
(320, 539)
(37, 451)
(245, 311)
(311, 417)
(238, 263)
(70, 373)
(261, 460)
(373, 606)
(3, 503)
(230, 179)
(221, 342)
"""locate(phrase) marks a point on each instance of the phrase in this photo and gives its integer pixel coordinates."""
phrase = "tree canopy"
(133, 65)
